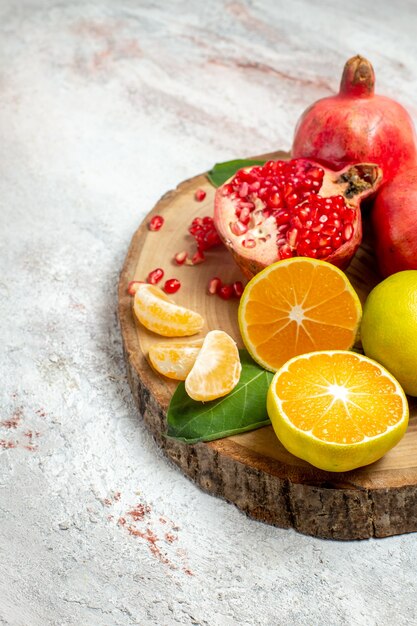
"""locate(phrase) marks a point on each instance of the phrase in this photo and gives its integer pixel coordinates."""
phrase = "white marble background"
(103, 107)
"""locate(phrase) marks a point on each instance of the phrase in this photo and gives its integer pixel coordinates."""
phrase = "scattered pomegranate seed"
(204, 232)
(156, 222)
(199, 195)
(237, 288)
(214, 285)
(226, 292)
(155, 276)
(133, 286)
(172, 285)
(180, 257)
(197, 258)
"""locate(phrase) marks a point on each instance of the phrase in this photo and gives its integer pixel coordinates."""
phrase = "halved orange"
(216, 370)
(157, 312)
(338, 410)
(295, 306)
(176, 358)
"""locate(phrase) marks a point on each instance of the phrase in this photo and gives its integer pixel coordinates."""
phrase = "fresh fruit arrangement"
(292, 227)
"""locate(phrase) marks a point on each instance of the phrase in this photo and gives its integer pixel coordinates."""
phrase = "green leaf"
(241, 410)
(223, 171)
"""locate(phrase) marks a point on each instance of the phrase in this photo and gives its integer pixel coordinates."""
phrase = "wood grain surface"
(253, 470)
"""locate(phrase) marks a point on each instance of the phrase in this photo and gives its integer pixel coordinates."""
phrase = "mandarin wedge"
(216, 370)
(338, 410)
(295, 306)
(157, 312)
(174, 359)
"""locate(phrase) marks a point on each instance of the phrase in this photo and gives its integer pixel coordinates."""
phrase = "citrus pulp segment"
(295, 306)
(157, 312)
(174, 359)
(216, 370)
(338, 410)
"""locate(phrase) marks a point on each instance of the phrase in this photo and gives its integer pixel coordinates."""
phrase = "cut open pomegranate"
(293, 208)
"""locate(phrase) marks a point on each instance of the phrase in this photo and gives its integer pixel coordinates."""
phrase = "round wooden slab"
(253, 470)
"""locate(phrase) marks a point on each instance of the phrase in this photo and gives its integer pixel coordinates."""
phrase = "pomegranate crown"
(358, 78)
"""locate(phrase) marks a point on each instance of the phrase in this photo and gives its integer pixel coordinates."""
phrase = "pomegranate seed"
(324, 241)
(297, 222)
(274, 200)
(210, 239)
(244, 216)
(249, 243)
(238, 228)
(226, 292)
(197, 258)
(323, 253)
(304, 213)
(244, 190)
(292, 236)
(328, 229)
(214, 285)
(155, 276)
(180, 257)
(237, 288)
(204, 232)
(282, 217)
(285, 252)
(317, 227)
(172, 285)
(347, 215)
(133, 286)
(336, 241)
(156, 222)
(347, 232)
(199, 195)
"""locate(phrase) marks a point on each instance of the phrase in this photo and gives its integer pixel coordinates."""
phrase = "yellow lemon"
(389, 327)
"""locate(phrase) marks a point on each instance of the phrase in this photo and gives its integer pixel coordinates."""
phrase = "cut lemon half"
(174, 359)
(295, 306)
(157, 312)
(338, 410)
(216, 370)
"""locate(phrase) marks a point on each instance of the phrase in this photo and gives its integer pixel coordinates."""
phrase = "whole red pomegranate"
(357, 126)
(394, 221)
(293, 208)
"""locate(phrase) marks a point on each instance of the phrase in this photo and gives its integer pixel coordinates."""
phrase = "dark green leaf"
(223, 171)
(241, 410)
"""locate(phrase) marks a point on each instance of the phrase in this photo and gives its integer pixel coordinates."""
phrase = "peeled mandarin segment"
(296, 306)
(176, 359)
(216, 370)
(161, 315)
(336, 409)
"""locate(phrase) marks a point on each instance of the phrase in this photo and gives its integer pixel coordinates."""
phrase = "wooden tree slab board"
(253, 470)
